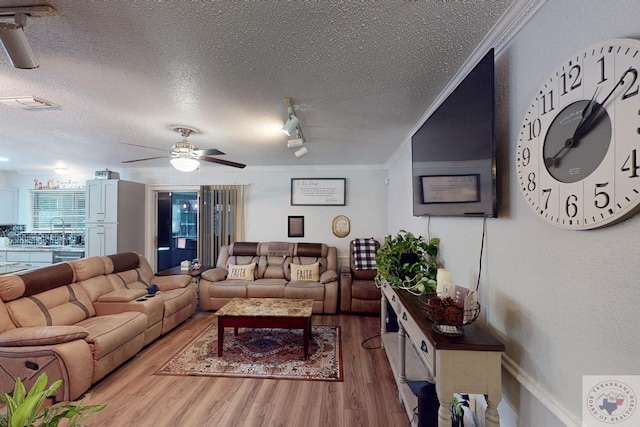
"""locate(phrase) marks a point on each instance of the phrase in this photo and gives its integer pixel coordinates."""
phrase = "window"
(49, 204)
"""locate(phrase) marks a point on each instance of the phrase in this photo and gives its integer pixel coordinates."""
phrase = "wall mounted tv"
(453, 152)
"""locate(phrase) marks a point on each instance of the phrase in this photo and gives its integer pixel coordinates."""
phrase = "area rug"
(261, 353)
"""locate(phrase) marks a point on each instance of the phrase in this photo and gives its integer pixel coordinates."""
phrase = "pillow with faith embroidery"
(241, 272)
(307, 272)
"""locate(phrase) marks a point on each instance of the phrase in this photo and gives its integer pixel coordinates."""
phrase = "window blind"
(66, 204)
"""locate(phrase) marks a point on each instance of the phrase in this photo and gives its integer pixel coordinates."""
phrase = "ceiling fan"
(184, 155)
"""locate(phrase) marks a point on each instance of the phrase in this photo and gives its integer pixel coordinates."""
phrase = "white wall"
(565, 303)
(268, 200)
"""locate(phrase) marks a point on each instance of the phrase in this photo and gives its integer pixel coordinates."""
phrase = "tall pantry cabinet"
(115, 217)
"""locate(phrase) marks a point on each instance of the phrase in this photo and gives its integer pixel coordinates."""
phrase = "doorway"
(177, 228)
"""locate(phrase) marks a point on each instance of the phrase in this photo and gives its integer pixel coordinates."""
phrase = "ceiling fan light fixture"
(184, 164)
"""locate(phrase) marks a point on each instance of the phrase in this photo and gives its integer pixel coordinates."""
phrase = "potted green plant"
(409, 262)
(25, 409)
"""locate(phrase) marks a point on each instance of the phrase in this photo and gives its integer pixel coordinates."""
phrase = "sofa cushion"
(65, 305)
(241, 272)
(107, 333)
(11, 287)
(266, 288)
(304, 290)
(243, 248)
(307, 272)
(47, 335)
(124, 261)
(86, 268)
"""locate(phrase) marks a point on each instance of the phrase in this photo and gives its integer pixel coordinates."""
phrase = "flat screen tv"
(453, 152)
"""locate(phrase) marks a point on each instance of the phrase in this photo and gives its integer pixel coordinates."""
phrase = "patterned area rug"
(261, 353)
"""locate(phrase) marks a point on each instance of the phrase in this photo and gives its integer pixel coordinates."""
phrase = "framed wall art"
(296, 226)
(318, 191)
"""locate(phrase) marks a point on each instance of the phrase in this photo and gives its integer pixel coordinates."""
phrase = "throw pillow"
(241, 272)
(307, 272)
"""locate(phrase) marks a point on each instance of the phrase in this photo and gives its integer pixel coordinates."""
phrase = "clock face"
(578, 154)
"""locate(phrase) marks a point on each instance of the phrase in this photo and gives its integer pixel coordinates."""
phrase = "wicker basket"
(447, 316)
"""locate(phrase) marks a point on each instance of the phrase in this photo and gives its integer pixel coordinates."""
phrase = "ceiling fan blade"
(223, 162)
(142, 160)
(143, 146)
(211, 152)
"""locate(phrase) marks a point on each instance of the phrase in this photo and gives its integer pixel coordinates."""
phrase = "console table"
(466, 364)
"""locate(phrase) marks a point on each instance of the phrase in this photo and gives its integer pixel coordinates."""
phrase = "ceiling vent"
(29, 103)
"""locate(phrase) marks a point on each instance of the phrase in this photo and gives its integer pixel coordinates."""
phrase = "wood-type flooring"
(367, 397)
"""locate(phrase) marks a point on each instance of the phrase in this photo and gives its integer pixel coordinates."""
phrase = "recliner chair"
(358, 290)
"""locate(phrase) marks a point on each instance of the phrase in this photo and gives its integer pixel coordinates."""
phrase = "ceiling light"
(292, 121)
(15, 43)
(28, 103)
(4, 159)
(301, 152)
(61, 170)
(295, 143)
(185, 164)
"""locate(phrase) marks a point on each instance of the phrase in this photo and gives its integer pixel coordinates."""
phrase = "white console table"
(466, 364)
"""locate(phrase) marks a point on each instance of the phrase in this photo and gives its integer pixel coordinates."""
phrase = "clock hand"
(571, 142)
(584, 127)
(589, 116)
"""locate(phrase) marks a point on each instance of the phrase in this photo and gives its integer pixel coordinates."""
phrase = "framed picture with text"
(318, 191)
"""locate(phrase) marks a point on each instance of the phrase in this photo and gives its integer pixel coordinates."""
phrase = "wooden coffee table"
(266, 313)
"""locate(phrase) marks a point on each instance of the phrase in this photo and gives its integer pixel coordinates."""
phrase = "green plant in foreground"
(24, 409)
(415, 273)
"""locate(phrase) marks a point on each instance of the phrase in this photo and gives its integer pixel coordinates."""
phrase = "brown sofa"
(81, 319)
(269, 266)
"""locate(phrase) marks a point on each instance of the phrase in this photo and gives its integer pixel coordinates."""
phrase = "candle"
(442, 276)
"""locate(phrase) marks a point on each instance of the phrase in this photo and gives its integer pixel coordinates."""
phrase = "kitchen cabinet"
(9, 203)
(30, 259)
(115, 217)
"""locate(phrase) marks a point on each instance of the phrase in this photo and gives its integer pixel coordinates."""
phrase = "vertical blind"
(221, 219)
(69, 205)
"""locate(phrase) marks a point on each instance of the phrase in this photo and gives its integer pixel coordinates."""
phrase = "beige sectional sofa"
(79, 320)
(273, 270)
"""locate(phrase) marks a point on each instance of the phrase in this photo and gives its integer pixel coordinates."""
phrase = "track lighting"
(185, 164)
(301, 152)
(295, 143)
(12, 35)
(292, 121)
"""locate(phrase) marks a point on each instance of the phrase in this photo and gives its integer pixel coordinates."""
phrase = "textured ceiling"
(361, 75)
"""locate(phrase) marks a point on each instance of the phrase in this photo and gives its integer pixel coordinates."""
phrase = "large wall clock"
(578, 155)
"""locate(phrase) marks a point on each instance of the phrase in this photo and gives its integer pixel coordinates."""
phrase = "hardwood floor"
(367, 397)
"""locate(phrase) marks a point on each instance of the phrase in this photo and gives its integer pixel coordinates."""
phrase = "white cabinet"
(9, 203)
(115, 217)
(102, 200)
(101, 239)
(30, 259)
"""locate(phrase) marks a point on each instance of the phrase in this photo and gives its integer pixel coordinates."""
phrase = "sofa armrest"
(42, 335)
(217, 274)
(328, 276)
(122, 295)
(167, 283)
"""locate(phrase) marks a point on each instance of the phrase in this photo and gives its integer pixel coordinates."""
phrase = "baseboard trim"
(543, 395)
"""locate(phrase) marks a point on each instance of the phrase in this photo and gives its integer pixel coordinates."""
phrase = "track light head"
(295, 143)
(290, 125)
(301, 152)
(16, 45)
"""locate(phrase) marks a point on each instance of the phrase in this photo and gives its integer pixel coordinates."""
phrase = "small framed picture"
(296, 226)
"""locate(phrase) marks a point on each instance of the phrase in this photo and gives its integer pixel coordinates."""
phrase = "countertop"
(43, 248)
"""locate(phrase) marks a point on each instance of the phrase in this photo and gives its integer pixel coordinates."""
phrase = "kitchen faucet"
(63, 228)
